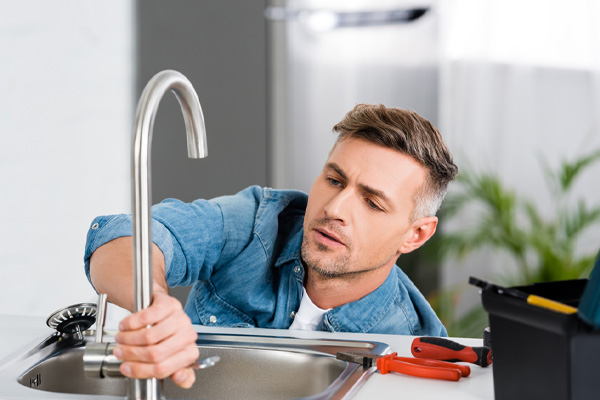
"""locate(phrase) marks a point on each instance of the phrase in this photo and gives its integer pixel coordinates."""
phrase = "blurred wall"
(220, 45)
(66, 106)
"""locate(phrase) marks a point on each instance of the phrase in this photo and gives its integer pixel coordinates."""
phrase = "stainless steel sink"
(250, 367)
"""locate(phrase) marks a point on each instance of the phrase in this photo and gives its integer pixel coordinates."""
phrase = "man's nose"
(340, 206)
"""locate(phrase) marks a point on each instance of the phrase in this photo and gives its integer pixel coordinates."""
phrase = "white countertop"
(18, 332)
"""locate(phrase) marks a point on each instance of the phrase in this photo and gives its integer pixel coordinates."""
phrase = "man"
(279, 259)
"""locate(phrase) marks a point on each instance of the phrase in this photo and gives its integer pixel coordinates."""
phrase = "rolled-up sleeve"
(194, 237)
(104, 229)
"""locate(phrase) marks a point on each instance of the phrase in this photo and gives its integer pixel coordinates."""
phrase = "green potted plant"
(542, 247)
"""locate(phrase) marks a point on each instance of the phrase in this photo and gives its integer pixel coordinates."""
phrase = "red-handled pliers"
(410, 366)
(436, 348)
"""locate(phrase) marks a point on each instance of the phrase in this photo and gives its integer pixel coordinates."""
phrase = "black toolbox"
(539, 353)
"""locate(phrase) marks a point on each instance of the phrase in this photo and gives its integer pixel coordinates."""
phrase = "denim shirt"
(241, 253)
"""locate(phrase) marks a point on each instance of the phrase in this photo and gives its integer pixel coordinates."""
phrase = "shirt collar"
(291, 251)
(349, 317)
(361, 315)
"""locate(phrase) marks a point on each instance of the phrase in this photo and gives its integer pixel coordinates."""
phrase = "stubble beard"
(319, 259)
(328, 269)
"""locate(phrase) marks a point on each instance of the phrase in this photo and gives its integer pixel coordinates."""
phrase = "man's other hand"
(166, 349)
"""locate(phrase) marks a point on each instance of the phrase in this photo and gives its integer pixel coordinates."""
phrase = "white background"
(66, 115)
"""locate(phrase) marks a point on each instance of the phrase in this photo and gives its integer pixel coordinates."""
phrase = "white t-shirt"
(309, 316)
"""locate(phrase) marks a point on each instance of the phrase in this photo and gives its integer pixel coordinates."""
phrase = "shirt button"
(95, 226)
(292, 314)
(297, 269)
(212, 319)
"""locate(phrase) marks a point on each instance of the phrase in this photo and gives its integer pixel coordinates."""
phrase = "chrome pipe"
(99, 361)
(101, 316)
(141, 185)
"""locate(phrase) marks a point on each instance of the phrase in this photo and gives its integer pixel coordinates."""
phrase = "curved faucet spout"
(141, 180)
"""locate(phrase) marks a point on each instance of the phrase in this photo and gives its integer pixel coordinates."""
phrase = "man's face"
(357, 217)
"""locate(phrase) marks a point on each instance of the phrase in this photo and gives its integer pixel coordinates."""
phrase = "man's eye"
(372, 205)
(333, 182)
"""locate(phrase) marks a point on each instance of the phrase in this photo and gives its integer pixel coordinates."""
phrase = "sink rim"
(344, 386)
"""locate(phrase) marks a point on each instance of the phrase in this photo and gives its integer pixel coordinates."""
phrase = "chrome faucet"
(98, 359)
(141, 187)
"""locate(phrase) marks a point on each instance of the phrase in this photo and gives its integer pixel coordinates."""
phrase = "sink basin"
(250, 367)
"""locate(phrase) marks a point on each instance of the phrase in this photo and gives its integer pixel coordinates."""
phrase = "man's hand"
(166, 349)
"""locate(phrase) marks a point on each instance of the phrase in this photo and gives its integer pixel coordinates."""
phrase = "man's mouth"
(329, 237)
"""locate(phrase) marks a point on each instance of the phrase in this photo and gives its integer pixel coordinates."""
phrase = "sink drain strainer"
(73, 319)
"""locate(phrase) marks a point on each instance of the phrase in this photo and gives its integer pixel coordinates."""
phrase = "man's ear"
(419, 233)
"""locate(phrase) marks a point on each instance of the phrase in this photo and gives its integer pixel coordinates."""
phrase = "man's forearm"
(111, 270)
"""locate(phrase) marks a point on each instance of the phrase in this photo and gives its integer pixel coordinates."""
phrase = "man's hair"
(412, 135)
